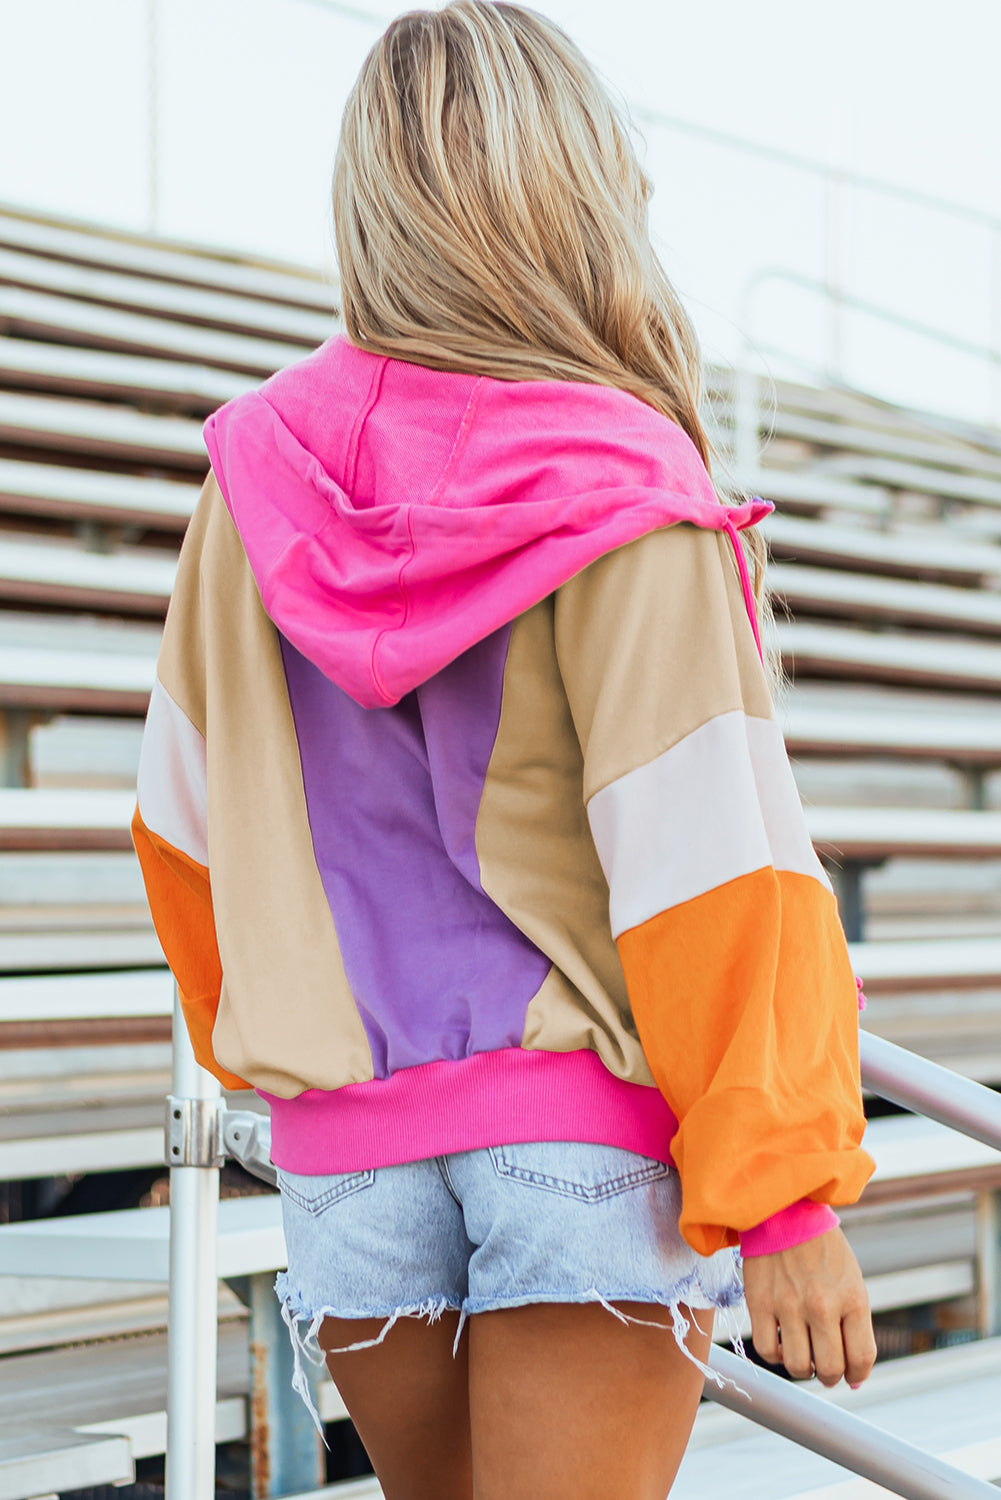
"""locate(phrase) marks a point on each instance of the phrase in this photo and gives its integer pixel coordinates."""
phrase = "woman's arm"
(727, 928)
(170, 826)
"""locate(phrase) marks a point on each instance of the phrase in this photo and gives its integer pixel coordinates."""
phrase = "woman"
(468, 829)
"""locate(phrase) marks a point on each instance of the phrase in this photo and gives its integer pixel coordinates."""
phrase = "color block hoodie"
(463, 813)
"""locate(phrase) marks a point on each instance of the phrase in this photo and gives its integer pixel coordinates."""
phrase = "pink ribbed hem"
(490, 1099)
(794, 1225)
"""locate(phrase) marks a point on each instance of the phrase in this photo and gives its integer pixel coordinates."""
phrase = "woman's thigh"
(409, 1400)
(566, 1400)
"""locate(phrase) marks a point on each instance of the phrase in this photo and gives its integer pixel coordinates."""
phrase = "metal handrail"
(746, 409)
(841, 1436)
(871, 309)
(931, 1090)
(917, 197)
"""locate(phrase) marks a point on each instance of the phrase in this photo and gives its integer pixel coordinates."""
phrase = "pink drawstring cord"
(862, 1001)
(745, 581)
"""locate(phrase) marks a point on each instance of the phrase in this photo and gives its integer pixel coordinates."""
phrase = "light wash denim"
(548, 1221)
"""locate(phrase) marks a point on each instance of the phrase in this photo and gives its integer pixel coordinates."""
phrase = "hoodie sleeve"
(170, 826)
(728, 932)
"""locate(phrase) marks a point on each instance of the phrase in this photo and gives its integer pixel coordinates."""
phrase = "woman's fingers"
(828, 1347)
(860, 1345)
(796, 1354)
(765, 1338)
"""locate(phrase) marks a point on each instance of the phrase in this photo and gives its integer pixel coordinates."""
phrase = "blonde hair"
(490, 216)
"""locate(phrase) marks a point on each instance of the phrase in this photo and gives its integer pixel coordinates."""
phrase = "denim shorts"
(502, 1226)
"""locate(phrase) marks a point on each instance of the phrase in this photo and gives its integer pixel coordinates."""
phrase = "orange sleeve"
(180, 900)
(745, 1003)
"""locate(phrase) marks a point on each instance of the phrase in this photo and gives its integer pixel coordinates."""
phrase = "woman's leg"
(409, 1400)
(566, 1401)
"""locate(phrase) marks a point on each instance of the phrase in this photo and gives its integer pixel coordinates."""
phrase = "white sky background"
(249, 96)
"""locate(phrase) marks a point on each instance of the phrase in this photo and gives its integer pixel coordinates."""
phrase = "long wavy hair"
(490, 216)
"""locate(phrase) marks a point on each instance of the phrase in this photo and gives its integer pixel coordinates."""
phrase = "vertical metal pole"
(193, 1305)
(15, 744)
(989, 1263)
(847, 882)
(286, 1451)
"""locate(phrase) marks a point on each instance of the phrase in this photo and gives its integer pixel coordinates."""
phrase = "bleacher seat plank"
(937, 1231)
(48, 572)
(58, 319)
(893, 553)
(95, 427)
(62, 818)
(919, 449)
(121, 377)
(917, 1157)
(167, 300)
(810, 728)
(188, 265)
(897, 474)
(831, 592)
(66, 666)
(120, 1386)
(891, 965)
(102, 946)
(875, 832)
(69, 1147)
(38, 1459)
(90, 494)
(90, 1032)
(145, 992)
(863, 409)
(133, 1244)
(812, 650)
(812, 491)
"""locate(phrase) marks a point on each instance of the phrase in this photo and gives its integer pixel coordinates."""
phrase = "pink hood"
(394, 515)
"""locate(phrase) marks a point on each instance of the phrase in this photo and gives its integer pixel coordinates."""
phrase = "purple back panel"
(436, 968)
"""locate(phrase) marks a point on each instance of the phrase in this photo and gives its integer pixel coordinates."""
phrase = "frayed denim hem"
(306, 1345)
(690, 1293)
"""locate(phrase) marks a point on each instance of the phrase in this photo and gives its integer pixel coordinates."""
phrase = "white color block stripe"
(719, 804)
(778, 797)
(173, 798)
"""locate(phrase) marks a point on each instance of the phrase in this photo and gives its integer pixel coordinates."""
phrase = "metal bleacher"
(113, 349)
(886, 543)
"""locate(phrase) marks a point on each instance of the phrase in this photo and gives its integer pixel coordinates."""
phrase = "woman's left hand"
(810, 1310)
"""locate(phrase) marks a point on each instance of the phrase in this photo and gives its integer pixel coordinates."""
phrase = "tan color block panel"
(538, 861)
(652, 641)
(286, 1018)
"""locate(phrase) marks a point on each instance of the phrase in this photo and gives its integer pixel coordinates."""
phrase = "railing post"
(193, 1302)
(989, 1262)
(847, 882)
(286, 1451)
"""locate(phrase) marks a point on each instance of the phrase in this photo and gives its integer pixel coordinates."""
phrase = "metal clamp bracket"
(247, 1138)
(194, 1132)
